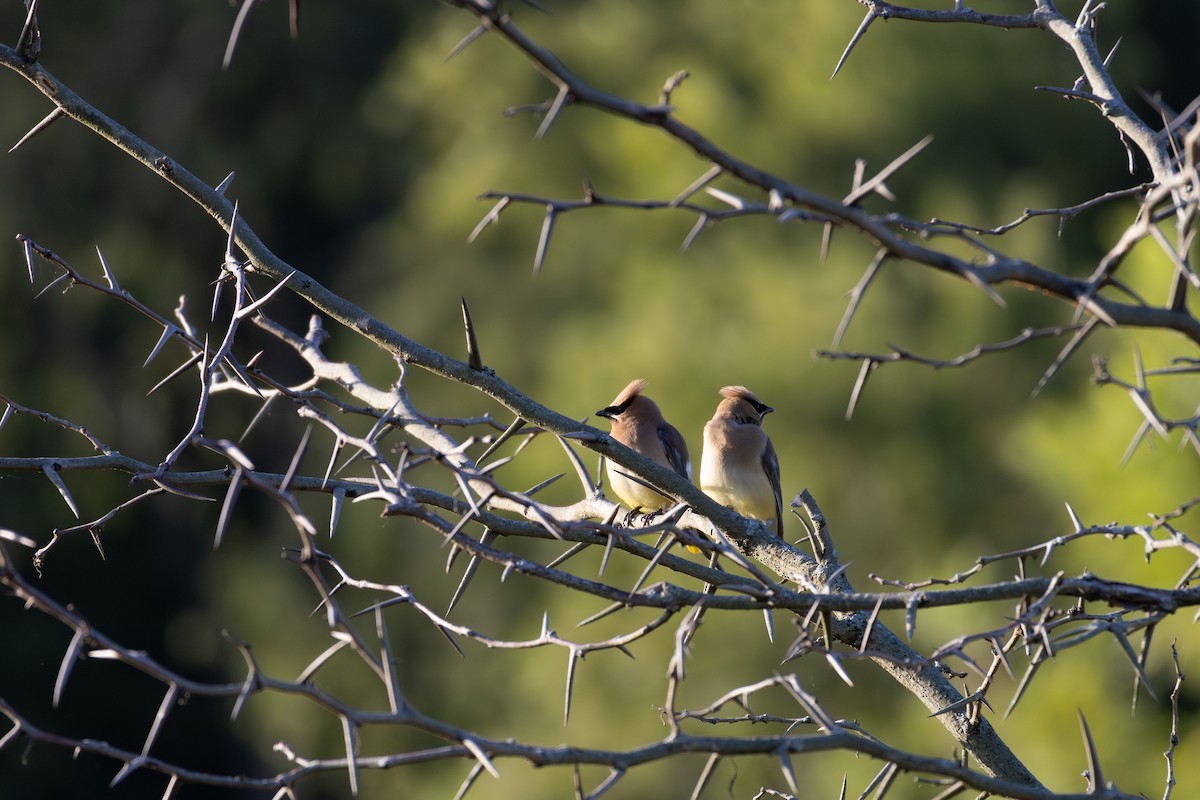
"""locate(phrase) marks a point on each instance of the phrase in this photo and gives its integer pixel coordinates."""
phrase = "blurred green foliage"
(360, 152)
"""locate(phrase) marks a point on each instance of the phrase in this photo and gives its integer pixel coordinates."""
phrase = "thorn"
(732, 200)
(243, 12)
(486, 539)
(480, 756)
(68, 662)
(696, 185)
(560, 100)
(701, 223)
(539, 257)
(1074, 518)
(468, 40)
(571, 659)
(51, 472)
(167, 334)
(224, 185)
(868, 366)
(350, 735)
(858, 34)
(108, 273)
(1095, 773)
(27, 248)
(491, 218)
(29, 43)
(41, 126)
(474, 359)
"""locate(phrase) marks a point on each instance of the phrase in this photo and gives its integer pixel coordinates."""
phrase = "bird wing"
(770, 465)
(675, 448)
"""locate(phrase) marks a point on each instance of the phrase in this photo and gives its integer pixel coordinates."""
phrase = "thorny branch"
(1169, 153)
(571, 524)
(834, 622)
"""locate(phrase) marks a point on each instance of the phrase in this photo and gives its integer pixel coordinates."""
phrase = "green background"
(360, 154)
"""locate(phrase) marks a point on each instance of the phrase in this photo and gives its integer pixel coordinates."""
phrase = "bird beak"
(766, 410)
(608, 413)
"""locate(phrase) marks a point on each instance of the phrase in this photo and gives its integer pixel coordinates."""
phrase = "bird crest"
(631, 391)
(740, 392)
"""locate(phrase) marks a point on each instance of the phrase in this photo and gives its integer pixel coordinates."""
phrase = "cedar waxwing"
(639, 425)
(739, 467)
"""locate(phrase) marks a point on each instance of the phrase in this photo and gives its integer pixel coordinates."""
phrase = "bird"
(638, 424)
(738, 466)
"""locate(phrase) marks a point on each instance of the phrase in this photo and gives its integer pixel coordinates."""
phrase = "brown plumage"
(739, 467)
(638, 424)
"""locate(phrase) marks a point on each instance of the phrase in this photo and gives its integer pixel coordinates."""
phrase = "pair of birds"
(738, 467)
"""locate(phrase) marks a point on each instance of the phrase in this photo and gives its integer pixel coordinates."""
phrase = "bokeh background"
(360, 154)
